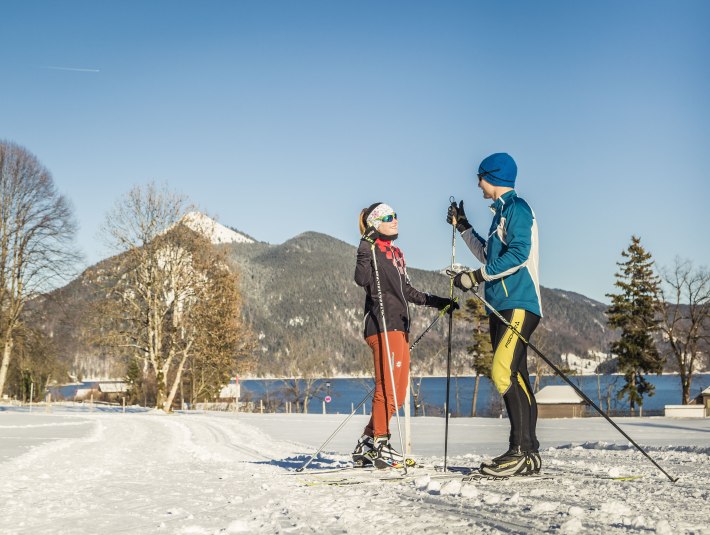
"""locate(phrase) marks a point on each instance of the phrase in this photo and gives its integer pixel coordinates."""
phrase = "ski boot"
(383, 455)
(363, 447)
(514, 462)
(534, 457)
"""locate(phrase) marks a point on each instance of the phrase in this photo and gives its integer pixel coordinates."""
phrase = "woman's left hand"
(442, 302)
(370, 235)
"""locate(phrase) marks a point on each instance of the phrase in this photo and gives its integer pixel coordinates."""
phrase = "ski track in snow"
(200, 473)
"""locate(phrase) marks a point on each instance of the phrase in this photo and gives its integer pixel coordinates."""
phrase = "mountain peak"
(216, 232)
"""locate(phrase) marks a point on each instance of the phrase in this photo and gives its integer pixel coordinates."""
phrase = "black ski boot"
(514, 462)
(494, 461)
(536, 461)
(363, 447)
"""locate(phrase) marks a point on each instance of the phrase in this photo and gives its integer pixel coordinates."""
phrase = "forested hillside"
(306, 311)
(302, 300)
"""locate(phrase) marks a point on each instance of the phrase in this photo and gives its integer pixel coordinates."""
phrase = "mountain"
(303, 292)
(306, 311)
(216, 232)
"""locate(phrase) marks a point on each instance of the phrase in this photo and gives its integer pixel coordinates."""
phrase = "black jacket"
(394, 283)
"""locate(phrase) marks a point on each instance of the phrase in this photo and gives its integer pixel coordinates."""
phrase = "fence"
(589, 412)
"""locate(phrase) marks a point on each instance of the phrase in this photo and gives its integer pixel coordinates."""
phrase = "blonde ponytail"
(361, 220)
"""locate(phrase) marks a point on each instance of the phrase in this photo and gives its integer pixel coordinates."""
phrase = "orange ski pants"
(383, 406)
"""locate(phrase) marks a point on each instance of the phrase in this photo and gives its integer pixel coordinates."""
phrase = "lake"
(346, 393)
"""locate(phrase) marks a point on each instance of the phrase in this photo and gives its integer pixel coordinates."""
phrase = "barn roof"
(113, 388)
(555, 394)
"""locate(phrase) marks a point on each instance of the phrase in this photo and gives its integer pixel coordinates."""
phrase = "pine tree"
(633, 311)
(134, 378)
(481, 348)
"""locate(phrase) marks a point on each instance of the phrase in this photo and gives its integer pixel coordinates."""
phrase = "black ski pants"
(510, 374)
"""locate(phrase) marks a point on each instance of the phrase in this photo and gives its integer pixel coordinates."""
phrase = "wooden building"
(699, 407)
(559, 401)
(113, 391)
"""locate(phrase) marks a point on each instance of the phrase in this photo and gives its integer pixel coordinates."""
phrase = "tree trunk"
(415, 395)
(608, 397)
(685, 384)
(474, 401)
(456, 388)
(599, 390)
(167, 406)
(6, 354)
(160, 389)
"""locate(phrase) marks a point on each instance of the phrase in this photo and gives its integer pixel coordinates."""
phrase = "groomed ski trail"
(200, 473)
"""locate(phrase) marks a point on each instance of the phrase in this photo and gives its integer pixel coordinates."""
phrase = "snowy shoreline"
(273, 378)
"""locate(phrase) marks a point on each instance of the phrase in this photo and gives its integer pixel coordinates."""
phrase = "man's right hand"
(456, 216)
(466, 280)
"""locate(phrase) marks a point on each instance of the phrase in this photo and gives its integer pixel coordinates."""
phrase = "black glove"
(441, 302)
(466, 280)
(456, 212)
(370, 235)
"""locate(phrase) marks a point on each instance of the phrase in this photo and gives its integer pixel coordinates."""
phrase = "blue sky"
(284, 117)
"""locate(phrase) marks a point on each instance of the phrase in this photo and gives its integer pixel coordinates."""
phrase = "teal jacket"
(509, 255)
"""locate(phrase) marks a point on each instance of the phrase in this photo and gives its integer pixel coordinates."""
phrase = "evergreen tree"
(134, 378)
(633, 311)
(481, 348)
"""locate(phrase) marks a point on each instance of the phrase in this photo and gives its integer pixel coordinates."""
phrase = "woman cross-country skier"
(510, 272)
(379, 227)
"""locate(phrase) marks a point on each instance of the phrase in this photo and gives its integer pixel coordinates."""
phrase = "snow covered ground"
(75, 471)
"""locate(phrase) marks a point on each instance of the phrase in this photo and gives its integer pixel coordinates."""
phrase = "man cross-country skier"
(510, 273)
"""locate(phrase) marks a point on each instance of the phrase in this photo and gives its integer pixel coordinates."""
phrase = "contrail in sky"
(74, 69)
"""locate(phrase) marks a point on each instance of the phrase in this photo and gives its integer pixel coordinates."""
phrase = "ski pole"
(367, 396)
(448, 354)
(567, 380)
(327, 441)
(390, 356)
(441, 313)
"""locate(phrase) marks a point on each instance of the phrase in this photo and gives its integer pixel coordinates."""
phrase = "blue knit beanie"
(499, 169)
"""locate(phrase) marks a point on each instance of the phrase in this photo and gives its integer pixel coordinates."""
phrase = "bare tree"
(139, 304)
(685, 322)
(35, 362)
(416, 391)
(165, 295)
(306, 368)
(539, 367)
(36, 233)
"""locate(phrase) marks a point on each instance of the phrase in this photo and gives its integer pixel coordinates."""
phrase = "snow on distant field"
(583, 365)
(216, 232)
(74, 471)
